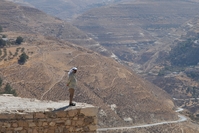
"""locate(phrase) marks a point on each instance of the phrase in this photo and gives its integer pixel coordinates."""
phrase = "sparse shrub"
(5, 52)
(193, 74)
(16, 52)
(9, 90)
(4, 55)
(22, 50)
(23, 58)
(161, 72)
(18, 49)
(4, 36)
(10, 52)
(19, 40)
(1, 29)
(2, 43)
(188, 90)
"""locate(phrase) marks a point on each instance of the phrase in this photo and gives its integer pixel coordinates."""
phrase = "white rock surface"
(9, 103)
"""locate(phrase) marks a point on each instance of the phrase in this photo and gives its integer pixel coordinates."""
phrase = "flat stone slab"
(11, 104)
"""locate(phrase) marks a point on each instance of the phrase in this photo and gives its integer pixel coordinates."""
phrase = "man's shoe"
(72, 104)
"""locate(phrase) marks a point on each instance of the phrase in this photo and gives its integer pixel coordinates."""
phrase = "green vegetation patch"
(23, 58)
(19, 40)
(2, 43)
(7, 89)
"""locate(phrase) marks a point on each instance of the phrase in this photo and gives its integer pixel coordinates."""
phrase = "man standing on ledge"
(71, 83)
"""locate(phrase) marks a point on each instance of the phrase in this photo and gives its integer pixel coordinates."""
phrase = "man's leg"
(71, 91)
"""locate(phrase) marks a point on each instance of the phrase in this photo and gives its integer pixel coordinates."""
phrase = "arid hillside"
(117, 91)
(178, 71)
(122, 96)
(138, 31)
(65, 9)
(31, 20)
(157, 38)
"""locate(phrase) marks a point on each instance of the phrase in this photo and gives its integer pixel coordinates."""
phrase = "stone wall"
(68, 120)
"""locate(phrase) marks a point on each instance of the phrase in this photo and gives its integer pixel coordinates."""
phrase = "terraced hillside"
(138, 31)
(65, 9)
(31, 20)
(116, 90)
(119, 93)
(142, 32)
(178, 71)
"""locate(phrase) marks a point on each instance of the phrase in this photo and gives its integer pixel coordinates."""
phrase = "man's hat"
(74, 68)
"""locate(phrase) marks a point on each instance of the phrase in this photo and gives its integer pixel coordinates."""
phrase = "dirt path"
(181, 119)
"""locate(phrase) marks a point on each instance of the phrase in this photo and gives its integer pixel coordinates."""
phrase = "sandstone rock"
(18, 128)
(51, 114)
(8, 131)
(78, 129)
(72, 113)
(71, 129)
(39, 115)
(61, 114)
(45, 124)
(93, 127)
(22, 123)
(23, 131)
(39, 123)
(86, 129)
(88, 120)
(60, 122)
(89, 111)
(14, 125)
(30, 130)
(35, 131)
(79, 123)
(4, 116)
(68, 122)
(52, 124)
(28, 116)
(31, 124)
(8, 125)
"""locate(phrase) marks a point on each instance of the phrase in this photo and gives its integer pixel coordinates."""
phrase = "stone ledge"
(19, 115)
(11, 104)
